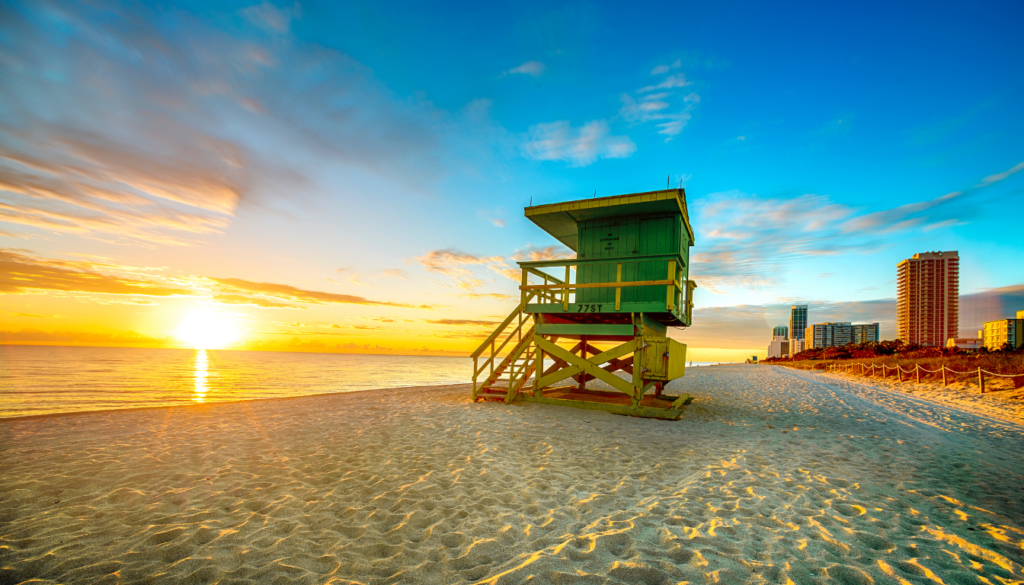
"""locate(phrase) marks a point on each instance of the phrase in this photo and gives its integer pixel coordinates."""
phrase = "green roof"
(560, 219)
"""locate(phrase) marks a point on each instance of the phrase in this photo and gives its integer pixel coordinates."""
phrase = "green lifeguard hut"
(627, 285)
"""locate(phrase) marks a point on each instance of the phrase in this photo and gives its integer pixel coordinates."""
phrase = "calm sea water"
(38, 380)
(45, 379)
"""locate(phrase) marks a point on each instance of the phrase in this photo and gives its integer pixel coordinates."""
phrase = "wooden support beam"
(684, 399)
(581, 378)
(565, 291)
(591, 366)
(618, 289)
(670, 297)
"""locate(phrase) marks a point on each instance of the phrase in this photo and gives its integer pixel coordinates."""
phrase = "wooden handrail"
(610, 284)
(497, 332)
(579, 261)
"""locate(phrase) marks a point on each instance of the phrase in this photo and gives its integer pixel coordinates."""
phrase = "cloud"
(531, 68)
(272, 18)
(118, 127)
(452, 263)
(290, 293)
(513, 274)
(127, 338)
(20, 273)
(579, 147)
(32, 315)
(992, 179)
(396, 273)
(654, 108)
(662, 69)
(253, 302)
(533, 254)
(670, 82)
(466, 322)
(497, 296)
(747, 240)
(752, 238)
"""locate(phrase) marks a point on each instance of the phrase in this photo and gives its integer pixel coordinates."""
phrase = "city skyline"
(322, 177)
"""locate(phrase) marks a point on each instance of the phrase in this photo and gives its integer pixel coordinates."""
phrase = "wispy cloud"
(747, 240)
(531, 68)
(992, 179)
(663, 69)
(670, 82)
(273, 18)
(577, 146)
(129, 338)
(669, 112)
(148, 133)
(21, 273)
(534, 254)
(288, 293)
(495, 296)
(463, 322)
(452, 262)
(395, 273)
(229, 299)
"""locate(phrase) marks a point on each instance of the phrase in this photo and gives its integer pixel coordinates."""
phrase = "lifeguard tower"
(627, 285)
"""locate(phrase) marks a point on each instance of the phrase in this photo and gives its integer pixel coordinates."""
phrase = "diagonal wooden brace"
(590, 366)
(614, 365)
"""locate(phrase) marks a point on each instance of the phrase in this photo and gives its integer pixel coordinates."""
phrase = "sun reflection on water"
(201, 372)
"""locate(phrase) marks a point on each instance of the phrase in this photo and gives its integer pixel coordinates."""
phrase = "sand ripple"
(772, 476)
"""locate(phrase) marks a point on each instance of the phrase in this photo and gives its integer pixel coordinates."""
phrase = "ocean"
(38, 380)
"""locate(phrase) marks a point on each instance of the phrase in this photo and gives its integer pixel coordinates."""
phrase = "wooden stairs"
(505, 378)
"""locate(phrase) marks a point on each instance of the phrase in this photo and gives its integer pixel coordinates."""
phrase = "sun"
(207, 329)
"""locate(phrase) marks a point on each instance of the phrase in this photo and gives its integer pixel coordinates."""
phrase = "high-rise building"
(864, 332)
(835, 334)
(780, 331)
(838, 334)
(928, 298)
(797, 321)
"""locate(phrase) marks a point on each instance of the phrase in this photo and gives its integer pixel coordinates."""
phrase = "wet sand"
(772, 476)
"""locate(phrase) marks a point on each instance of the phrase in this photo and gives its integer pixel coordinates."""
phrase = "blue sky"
(385, 152)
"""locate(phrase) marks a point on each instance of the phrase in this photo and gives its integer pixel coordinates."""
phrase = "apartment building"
(838, 334)
(998, 333)
(928, 294)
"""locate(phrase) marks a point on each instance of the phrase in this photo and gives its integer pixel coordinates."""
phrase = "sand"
(772, 476)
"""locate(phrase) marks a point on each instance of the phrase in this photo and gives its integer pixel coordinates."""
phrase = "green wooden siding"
(622, 239)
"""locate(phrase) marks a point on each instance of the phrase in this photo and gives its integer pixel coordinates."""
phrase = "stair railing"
(491, 348)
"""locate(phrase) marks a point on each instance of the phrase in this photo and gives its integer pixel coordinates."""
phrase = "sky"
(351, 177)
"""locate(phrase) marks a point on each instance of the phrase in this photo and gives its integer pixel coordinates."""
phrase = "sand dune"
(772, 476)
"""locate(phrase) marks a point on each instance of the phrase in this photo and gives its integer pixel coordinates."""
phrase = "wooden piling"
(981, 380)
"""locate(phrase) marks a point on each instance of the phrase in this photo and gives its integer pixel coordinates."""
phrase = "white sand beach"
(771, 476)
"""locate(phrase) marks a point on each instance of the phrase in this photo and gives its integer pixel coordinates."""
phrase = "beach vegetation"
(890, 353)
